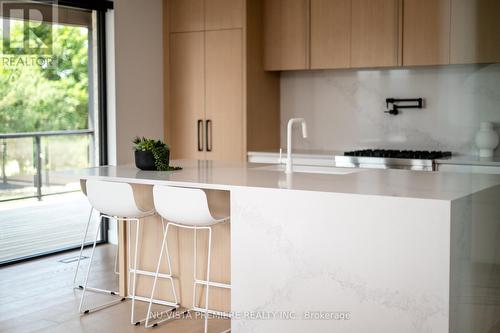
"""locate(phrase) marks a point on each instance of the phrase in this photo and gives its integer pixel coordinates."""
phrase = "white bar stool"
(114, 201)
(186, 208)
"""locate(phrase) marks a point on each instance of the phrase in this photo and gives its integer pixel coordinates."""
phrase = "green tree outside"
(47, 98)
(36, 98)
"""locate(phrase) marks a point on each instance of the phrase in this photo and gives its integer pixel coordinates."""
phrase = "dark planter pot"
(145, 160)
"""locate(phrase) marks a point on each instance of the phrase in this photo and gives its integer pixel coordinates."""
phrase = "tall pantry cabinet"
(219, 101)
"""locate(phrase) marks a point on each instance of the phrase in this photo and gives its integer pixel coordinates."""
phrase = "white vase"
(486, 139)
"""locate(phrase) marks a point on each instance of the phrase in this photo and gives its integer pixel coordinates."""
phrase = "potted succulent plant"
(151, 154)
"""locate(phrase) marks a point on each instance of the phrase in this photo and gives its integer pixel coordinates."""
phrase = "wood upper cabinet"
(224, 95)
(330, 33)
(375, 33)
(187, 94)
(286, 36)
(185, 15)
(426, 32)
(475, 31)
(223, 14)
(343, 34)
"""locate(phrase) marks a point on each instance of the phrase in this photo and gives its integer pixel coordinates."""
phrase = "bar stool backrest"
(113, 198)
(187, 206)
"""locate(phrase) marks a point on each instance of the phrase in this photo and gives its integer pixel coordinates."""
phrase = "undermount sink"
(310, 169)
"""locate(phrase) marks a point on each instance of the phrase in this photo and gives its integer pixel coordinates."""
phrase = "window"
(51, 119)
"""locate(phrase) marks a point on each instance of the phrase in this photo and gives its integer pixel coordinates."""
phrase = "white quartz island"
(368, 251)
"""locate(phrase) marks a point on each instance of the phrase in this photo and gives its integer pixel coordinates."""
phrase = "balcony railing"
(27, 160)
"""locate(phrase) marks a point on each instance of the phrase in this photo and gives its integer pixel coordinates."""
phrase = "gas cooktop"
(391, 159)
(408, 154)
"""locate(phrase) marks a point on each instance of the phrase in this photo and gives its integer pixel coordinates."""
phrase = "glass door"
(49, 122)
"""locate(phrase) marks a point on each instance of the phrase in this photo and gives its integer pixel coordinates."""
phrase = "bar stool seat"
(187, 208)
(114, 201)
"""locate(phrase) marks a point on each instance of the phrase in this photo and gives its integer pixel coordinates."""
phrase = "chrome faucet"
(289, 162)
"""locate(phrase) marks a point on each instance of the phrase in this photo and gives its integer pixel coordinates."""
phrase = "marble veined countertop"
(232, 175)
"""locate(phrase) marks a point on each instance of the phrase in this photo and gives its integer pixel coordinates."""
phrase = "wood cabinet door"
(375, 33)
(426, 32)
(187, 94)
(475, 31)
(286, 34)
(185, 15)
(224, 95)
(330, 33)
(224, 14)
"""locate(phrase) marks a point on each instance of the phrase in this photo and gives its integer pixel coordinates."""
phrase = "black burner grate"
(406, 154)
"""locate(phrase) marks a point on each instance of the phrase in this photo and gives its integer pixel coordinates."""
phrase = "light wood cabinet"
(187, 94)
(262, 88)
(330, 33)
(426, 32)
(475, 31)
(223, 14)
(206, 95)
(221, 102)
(375, 33)
(286, 41)
(185, 15)
(202, 15)
(303, 34)
(224, 95)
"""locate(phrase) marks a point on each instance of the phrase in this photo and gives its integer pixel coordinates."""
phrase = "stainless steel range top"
(391, 159)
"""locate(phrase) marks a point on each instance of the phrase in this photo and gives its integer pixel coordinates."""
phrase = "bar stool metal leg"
(205, 282)
(80, 286)
(208, 276)
(164, 247)
(87, 278)
(169, 264)
(206, 311)
(83, 244)
(134, 272)
(195, 251)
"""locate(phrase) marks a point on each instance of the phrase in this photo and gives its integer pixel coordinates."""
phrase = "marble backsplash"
(344, 109)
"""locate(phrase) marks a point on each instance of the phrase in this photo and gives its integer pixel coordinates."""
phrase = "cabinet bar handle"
(208, 137)
(200, 129)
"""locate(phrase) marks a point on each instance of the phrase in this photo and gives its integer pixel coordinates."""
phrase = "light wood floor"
(37, 296)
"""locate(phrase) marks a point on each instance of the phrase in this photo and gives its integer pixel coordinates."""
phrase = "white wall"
(111, 92)
(138, 75)
(344, 108)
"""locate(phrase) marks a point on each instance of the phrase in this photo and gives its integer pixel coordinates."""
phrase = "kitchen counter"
(300, 157)
(471, 160)
(327, 158)
(368, 251)
(230, 175)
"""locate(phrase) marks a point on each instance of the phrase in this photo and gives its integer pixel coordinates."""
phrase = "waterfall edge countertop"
(227, 175)
(391, 249)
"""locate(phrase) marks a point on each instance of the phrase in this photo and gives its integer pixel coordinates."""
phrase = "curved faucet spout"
(289, 162)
